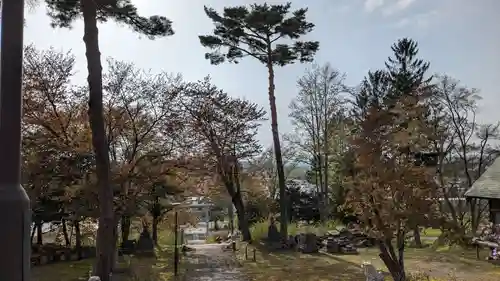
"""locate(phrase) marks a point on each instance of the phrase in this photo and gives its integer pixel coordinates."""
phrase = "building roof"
(488, 184)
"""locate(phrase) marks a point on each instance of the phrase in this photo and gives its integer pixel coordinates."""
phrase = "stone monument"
(273, 234)
(308, 243)
(145, 245)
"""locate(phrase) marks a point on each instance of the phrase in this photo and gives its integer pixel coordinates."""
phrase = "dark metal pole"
(15, 213)
(176, 249)
(231, 217)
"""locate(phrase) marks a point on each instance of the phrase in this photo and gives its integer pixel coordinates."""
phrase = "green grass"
(136, 269)
(445, 264)
(431, 232)
(259, 230)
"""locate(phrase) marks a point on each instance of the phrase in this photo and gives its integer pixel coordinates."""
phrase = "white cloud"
(398, 6)
(420, 21)
(372, 5)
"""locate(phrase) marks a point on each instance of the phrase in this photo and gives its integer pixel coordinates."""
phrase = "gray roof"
(488, 184)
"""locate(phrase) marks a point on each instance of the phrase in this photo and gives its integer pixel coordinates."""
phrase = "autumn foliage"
(391, 191)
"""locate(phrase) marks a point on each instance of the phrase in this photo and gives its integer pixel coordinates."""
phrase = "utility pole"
(15, 212)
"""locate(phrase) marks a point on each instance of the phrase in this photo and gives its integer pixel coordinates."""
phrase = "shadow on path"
(209, 262)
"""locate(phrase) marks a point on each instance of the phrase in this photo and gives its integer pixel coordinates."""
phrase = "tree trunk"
(39, 234)
(326, 153)
(242, 218)
(154, 229)
(104, 243)
(392, 262)
(320, 183)
(216, 227)
(114, 256)
(33, 231)
(277, 153)
(416, 237)
(325, 189)
(65, 233)
(78, 239)
(125, 227)
(235, 192)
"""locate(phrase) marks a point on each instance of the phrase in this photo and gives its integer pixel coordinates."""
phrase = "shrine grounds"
(429, 263)
(443, 264)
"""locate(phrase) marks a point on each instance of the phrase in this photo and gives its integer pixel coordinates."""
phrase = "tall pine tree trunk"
(105, 235)
(277, 153)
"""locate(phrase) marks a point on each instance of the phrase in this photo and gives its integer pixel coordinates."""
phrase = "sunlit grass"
(259, 229)
(290, 265)
(160, 268)
(431, 232)
(428, 264)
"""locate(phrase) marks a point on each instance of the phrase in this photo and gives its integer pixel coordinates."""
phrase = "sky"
(458, 37)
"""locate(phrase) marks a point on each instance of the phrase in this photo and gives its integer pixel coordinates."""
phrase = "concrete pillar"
(14, 202)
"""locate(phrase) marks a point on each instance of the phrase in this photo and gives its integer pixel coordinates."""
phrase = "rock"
(348, 249)
(345, 233)
(332, 232)
(332, 245)
(308, 243)
(292, 243)
(128, 247)
(185, 249)
(371, 273)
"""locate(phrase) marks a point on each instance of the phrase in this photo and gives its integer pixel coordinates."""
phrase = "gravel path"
(210, 263)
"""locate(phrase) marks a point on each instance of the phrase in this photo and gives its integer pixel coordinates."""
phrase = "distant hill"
(295, 171)
(298, 172)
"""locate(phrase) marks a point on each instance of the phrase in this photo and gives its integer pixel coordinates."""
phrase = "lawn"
(442, 264)
(438, 263)
(134, 269)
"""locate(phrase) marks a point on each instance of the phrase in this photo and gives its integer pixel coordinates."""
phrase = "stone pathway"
(210, 263)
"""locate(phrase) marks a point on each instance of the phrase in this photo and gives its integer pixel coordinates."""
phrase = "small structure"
(487, 187)
(199, 207)
(195, 235)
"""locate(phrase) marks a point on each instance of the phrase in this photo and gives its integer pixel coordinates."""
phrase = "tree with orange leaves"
(390, 191)
(224, 130)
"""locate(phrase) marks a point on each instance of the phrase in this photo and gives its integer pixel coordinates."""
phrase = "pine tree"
(63, 13)
(271, 35)
(405, 71)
